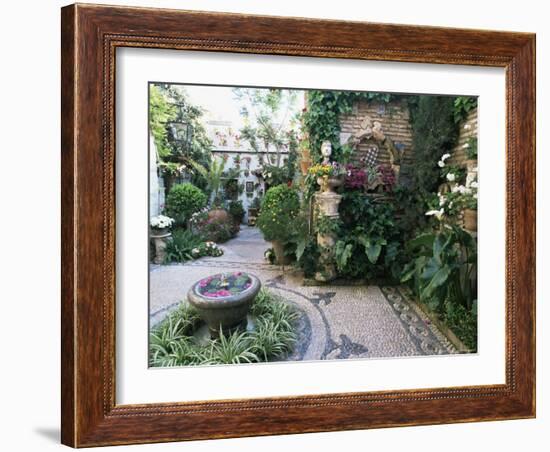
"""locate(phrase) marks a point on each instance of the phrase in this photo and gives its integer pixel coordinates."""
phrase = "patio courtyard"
(335, 322)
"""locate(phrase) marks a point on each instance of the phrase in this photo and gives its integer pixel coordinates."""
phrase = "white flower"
(465, 145)
(161, 222)
(442, 199)
(437, 213)
(195, 251)
(451, 177)
(441, 162)
(451, 205)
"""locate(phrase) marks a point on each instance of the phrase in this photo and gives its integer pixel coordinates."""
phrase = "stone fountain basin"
(227, 313)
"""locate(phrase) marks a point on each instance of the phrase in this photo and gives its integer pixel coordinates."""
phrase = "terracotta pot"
(219, 215)
(279, 249)
(470, 219)
(305, 165)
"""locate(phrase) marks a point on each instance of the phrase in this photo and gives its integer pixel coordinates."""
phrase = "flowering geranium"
(161, 222)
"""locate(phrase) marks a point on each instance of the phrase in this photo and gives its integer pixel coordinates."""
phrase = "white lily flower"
(440, 164)
(451, 177)
(437, 213)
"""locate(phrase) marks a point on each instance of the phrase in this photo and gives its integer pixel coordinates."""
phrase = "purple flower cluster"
(356, 177)
(387, 176)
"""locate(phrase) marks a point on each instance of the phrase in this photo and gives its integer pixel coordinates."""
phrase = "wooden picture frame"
(90, 36)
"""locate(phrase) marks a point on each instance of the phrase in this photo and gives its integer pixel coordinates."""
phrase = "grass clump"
(172, 343)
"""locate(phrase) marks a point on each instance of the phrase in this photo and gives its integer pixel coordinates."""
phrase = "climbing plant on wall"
(322, 117)
(434, 134)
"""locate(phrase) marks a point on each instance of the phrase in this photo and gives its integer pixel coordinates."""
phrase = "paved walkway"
(335, 322)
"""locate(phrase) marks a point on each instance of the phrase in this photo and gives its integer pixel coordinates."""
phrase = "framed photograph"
(282, 225)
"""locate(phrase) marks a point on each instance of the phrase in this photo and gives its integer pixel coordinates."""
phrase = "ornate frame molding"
(90, 36)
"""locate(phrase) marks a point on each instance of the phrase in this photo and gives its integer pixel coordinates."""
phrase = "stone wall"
(394, 117)
(468, 130)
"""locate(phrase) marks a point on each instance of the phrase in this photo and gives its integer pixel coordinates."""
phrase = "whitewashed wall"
(156, 190)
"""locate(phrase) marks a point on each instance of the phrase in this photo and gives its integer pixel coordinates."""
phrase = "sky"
(220, 103)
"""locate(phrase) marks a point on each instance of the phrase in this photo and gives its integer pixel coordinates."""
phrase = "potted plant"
(160, 231)
(279, 209)
(328, 175)
(236, 210)
(160, 225)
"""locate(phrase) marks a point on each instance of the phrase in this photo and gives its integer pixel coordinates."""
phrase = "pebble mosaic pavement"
(336, 322)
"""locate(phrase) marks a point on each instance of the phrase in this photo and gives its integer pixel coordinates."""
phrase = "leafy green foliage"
(269, 119)
(322, 118)
(185, 245)
(169, 103)
(161, 112)
(219, 229)
(184, 200)
(462, 106)
(434, 134)
(463, 322)
(280, 207)
(236, 210)
(213, 174)
(443, 272)
(369, 243)
(471, 151)
(172, 343)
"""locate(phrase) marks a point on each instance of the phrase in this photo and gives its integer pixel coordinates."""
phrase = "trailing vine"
(322, 117)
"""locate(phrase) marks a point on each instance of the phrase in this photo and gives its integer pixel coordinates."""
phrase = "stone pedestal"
(327, 203)
(159, 239)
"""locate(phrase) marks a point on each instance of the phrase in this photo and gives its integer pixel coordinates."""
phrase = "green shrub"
(218, 230)
(280, 207)
(184, 200)
(236, 210)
